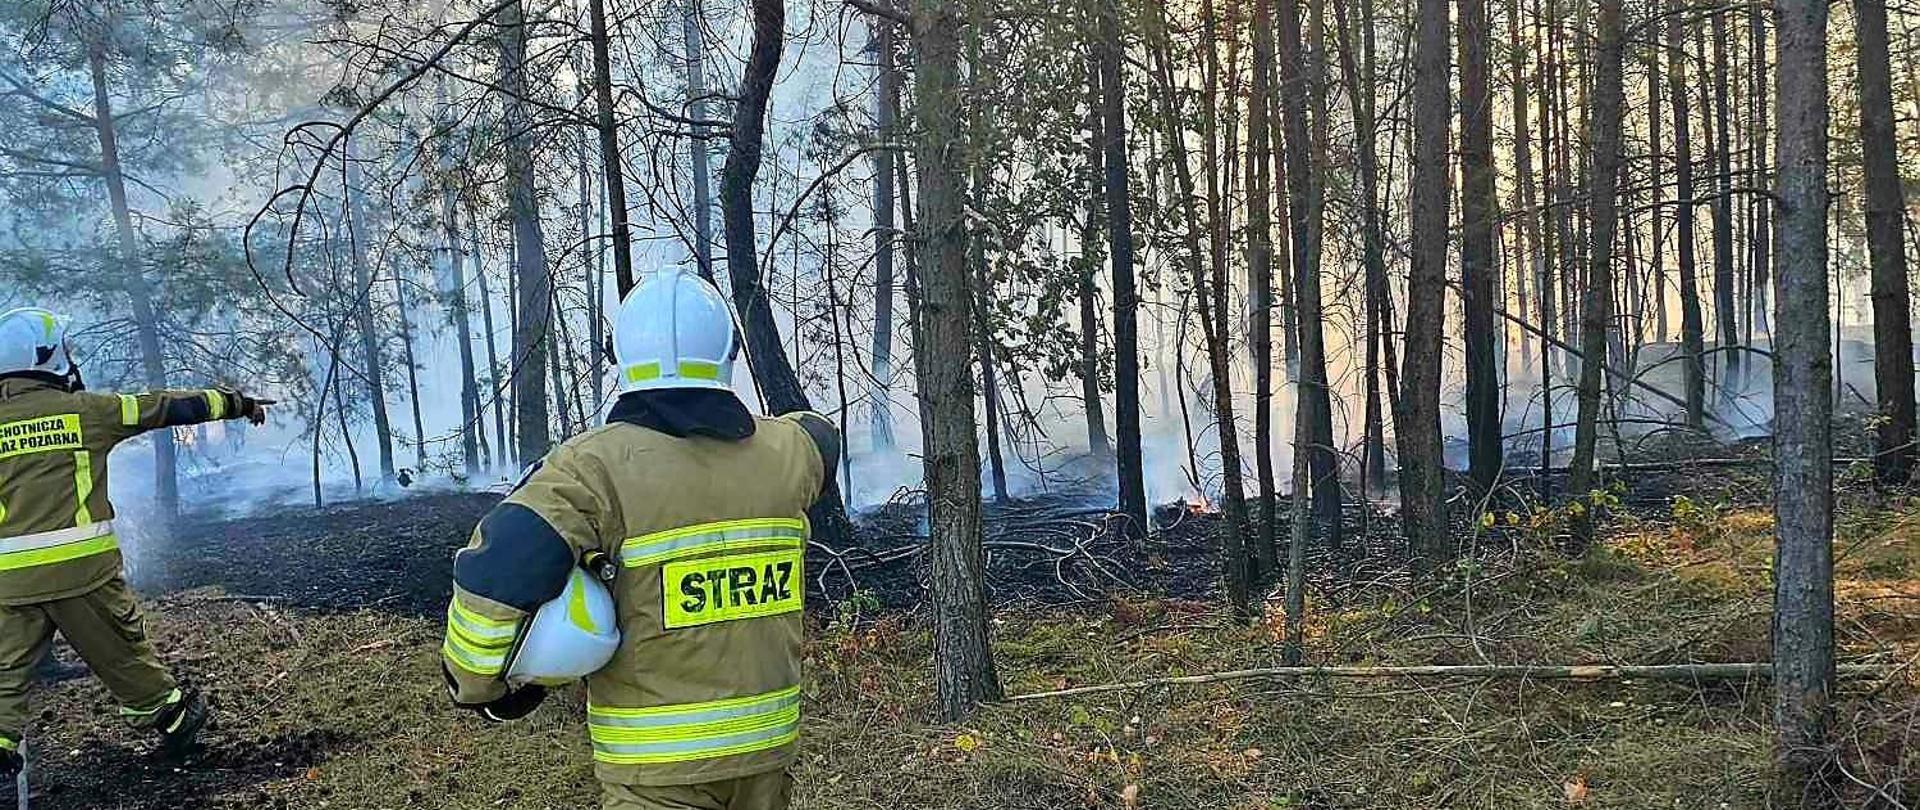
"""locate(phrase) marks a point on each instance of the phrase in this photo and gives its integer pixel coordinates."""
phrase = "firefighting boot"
(181, 723)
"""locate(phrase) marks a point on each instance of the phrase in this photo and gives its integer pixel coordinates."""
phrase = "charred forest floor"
(316, 633)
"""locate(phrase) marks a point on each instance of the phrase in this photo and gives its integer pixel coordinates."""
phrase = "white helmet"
(33, 339)
(572, 636)
(674, 330)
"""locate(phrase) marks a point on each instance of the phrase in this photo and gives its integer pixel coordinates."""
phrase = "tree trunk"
(530, 334)
(696, 48)
(611, 166)
(146, 322)
(1726, 311)
(982, 302)
(1260, 278)
(1803, 407)
(1091, 258)
(494, 386)
(1236, 573)
(1126, 301)
(1478, 210)
(462, 318)
(1657, 156)
(1886, 219)
(413, 370)
(1417, 417)
(375, 369)
(1692, 337)
(963, 659)
(886, 106)
(1603, 199)
(772, 371)
(1302, 82)
(1359, 79)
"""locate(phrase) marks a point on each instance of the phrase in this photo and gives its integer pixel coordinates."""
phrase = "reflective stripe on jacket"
(56, 522)
(709, 535)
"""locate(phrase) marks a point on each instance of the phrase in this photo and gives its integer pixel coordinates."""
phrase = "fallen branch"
(1583, 672)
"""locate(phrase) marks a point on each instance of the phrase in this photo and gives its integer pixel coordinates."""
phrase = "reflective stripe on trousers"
(59, 545)
(694, 731)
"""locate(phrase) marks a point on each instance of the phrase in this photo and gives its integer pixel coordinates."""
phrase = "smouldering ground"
(345, 710)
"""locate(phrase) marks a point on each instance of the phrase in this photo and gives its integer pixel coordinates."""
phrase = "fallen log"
(1582, 672)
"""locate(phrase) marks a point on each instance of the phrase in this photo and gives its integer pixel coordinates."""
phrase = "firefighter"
(693, 513)
(59, 557)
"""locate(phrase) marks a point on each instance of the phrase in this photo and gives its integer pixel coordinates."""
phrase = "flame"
(1199, 504)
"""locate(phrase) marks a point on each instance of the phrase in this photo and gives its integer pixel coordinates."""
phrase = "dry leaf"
(1576, 789)
(967, 743)
(1130, 797)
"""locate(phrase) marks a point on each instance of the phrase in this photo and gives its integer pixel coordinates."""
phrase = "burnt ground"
(314, 631)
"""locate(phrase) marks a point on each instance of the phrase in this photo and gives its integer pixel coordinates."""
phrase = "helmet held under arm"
(674, 330)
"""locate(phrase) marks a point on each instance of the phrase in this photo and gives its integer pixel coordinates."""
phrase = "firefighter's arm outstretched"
(520, 557)
(154, 410)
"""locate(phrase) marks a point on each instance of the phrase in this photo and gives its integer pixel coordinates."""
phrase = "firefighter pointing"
(59, 557)
(658, 556)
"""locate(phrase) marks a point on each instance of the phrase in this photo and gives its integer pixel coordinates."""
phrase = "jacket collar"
(16, 383)
(684, 412)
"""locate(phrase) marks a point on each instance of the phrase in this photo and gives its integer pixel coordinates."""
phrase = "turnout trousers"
(772, 790)
(104, 625)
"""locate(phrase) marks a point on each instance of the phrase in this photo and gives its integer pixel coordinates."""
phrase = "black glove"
(255, 410)
(508, 707)
(514, 705)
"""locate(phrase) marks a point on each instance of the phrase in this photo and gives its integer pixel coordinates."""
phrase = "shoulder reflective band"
(60, 545)
(476, 643)
(129, 410)
(694, 731)
(44, 434)
(216, 405)
(705, 538)
(724, 589)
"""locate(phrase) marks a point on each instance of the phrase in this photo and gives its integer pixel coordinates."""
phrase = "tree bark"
(413, 370)
(772, 371)
(1417, 417)
(1886, 221)
(1126, 301)
(534, 305)
(1302, 81)
(1359, 79)
(695, 45)
(146, 322)
(609, 130)
(886, 106)
(371, 354)
(1603, 201)
(461, 317)
(1803, 405)
(1726, 311)
(963, 660)
(1091, 258)
(1260, 279)
(494, 386)
(1237, 575)
(1478, 210)
(1692, 330)
(983, 342)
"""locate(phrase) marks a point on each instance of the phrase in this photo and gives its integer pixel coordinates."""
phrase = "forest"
(1245, 403)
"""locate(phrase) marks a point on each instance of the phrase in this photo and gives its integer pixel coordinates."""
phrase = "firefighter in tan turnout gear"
(659, 556)
(59, 557)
